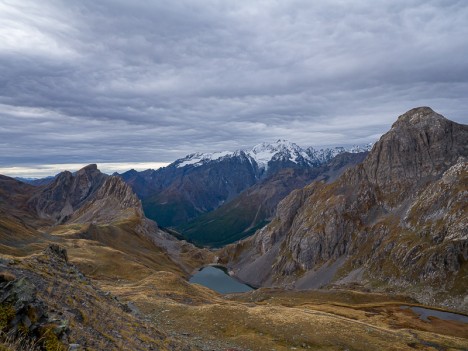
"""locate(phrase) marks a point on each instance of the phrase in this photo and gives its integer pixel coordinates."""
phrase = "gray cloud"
(139, 81)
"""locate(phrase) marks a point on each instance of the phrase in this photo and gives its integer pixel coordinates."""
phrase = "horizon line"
(52, 169)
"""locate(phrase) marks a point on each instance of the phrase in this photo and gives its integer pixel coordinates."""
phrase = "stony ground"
(164, 312)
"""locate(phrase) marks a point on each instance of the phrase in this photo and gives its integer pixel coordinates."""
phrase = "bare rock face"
(87, 196)
(421, 144)
(114, 201)
(399, 219)
(58, 200)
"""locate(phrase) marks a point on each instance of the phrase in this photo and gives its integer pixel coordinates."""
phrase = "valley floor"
(141, 308)
(268, 319)
(145, 302)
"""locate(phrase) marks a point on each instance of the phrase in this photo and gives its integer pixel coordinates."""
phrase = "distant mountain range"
(199, 194)
(268, 156)
(36, 181)
(174, 196)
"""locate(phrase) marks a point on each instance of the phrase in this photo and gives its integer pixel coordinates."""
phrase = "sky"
(138, 84)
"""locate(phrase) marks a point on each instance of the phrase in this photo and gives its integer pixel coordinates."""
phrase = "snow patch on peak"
(197, 159)
(281, 150)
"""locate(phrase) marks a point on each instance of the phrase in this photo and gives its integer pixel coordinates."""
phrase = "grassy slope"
(274, 319)
(96, 320)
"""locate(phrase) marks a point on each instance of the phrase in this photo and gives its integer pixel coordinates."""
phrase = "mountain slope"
(36, 181)
(373, 225)
(200, 183)
(98, 218)
(256, 206)
(199, 189)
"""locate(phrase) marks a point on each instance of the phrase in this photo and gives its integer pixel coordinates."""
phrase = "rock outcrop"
(60, 199)
(47, 302)
(397, 220)
(24, 315)
(113, 201)
(87, 196)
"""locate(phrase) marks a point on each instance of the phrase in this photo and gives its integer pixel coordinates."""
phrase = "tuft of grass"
(50, 341)
(7, 313)
(22, 343)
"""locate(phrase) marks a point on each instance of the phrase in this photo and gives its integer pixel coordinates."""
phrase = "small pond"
(217, 279)
(424, 313)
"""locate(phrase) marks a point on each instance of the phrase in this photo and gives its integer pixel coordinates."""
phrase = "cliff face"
(58, 200)
(87, 196)
(420, 146)
(113, 201)
(398, 219)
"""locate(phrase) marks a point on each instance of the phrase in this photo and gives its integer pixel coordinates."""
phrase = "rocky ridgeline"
(397, 220)
(24, 316)
(87, 196)
(420, 146)
(113, 201)
(45, 301)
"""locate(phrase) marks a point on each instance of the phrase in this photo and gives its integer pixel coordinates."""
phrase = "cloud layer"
(151, 81)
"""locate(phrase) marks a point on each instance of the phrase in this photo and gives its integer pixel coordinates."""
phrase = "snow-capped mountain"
(266, 154)
(198, 158)
(201, 182)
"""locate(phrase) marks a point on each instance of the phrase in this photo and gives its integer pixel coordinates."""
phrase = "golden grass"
(320, 320)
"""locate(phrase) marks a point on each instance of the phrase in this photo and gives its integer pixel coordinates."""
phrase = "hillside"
(256, 206)
(98, 219)
(396, 221)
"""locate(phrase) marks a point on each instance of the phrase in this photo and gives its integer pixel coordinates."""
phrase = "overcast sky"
(121, 82)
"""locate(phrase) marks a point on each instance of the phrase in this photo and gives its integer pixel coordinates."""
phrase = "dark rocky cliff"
(397, 220)
(86, 196)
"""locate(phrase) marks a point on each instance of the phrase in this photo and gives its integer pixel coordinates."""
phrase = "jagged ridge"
(371, 225)
(266, 154)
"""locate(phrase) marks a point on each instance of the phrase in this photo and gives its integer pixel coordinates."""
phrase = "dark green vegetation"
(167, 214)
(256, 206)
(174, 195)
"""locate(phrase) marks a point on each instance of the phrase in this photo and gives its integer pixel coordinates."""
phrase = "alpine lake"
(218, 279)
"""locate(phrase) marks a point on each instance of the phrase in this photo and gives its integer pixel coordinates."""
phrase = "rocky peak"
(58, 200)
(64, 177)
(397, 218)
(113, 201)
(89, 169)
(418, 116)
(420, 144)
(121, 191)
